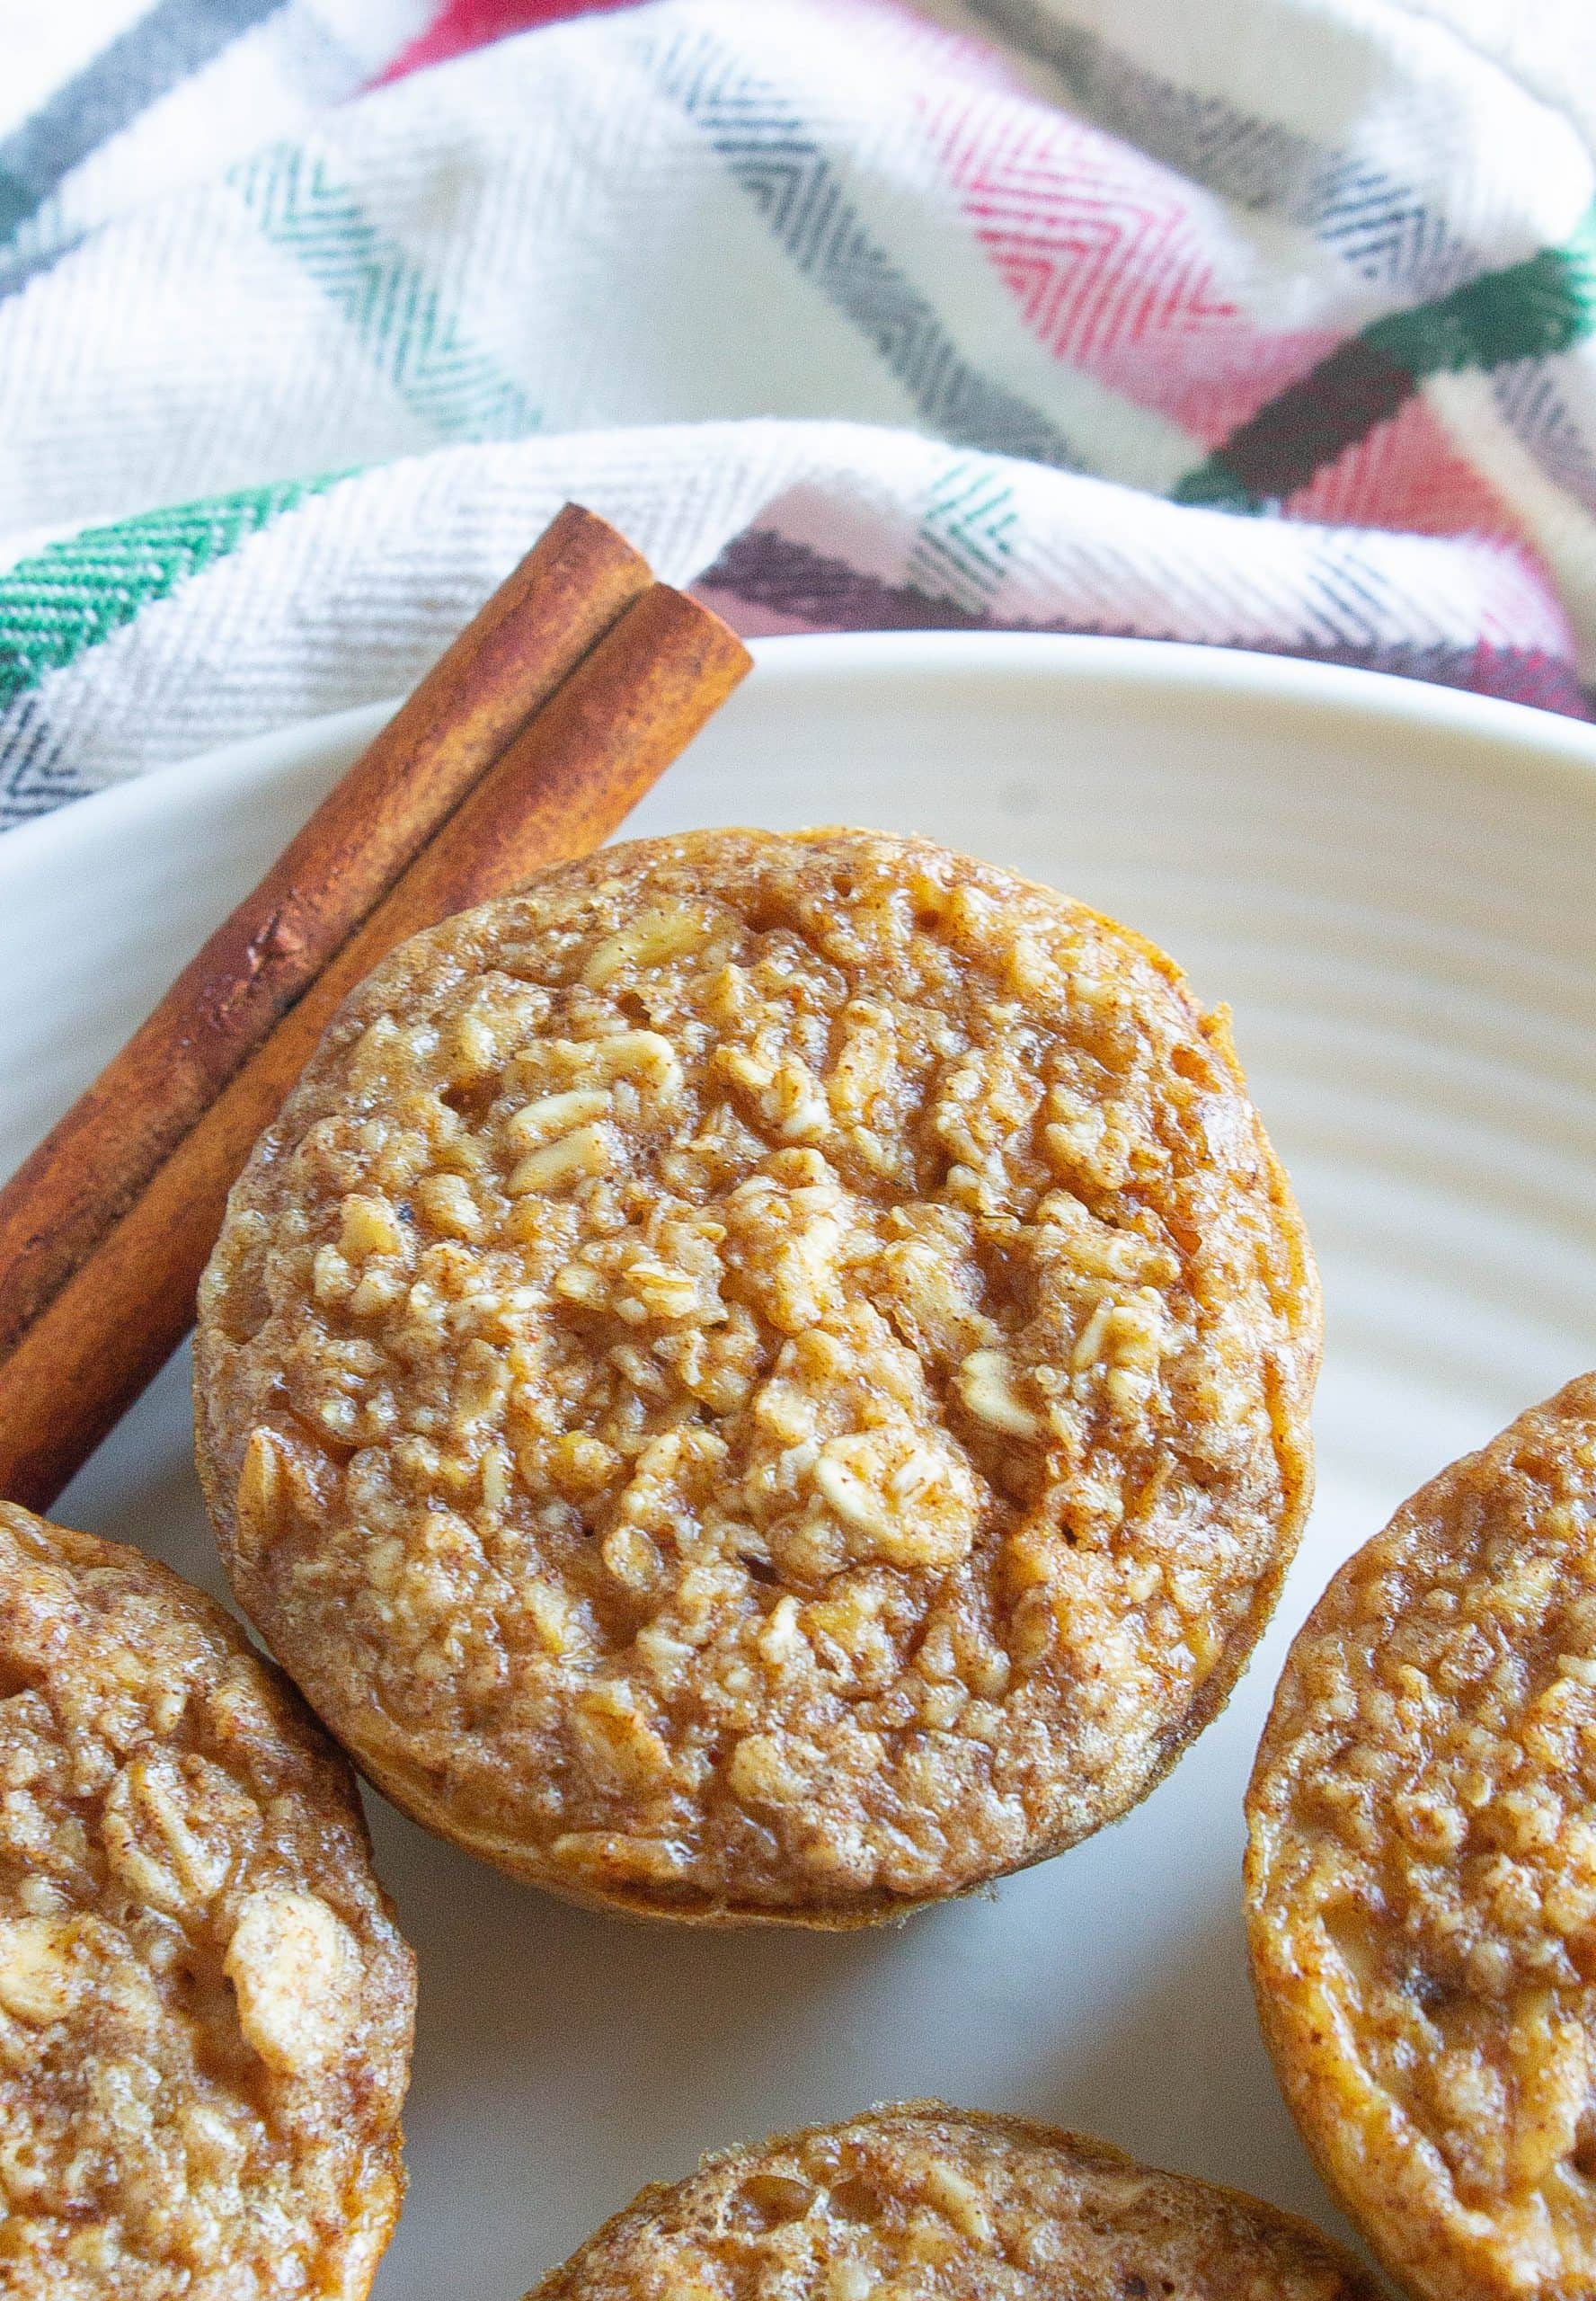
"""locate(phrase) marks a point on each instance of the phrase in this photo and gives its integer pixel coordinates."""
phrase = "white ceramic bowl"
(1395, 887)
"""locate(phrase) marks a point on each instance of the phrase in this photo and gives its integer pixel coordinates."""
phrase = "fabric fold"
(1271, 330)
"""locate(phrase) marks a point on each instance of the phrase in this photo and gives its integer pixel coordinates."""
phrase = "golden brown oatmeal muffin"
(763, 1376)
(918, 2202)
(1421, 1873)
(205, 2008)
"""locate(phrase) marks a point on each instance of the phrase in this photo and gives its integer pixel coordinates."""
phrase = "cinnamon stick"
(562, 785)
(538, 625)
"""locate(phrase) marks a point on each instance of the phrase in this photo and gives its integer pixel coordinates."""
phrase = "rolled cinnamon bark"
(536, 628)
(572, 775)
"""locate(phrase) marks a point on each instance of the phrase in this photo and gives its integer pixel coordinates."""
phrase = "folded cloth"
(1260, 323)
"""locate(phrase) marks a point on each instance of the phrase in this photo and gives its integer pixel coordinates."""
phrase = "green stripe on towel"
(60, 601)
(1527, 311)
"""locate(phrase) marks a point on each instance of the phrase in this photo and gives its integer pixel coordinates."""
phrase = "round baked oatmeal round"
(920, 2200)
(1421, 1873)
(205, 2008)
(763, 1376)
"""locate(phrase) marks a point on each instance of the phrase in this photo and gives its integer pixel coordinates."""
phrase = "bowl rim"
(1153, 671)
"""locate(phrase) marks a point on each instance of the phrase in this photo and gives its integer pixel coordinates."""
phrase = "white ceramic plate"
(1394, 887)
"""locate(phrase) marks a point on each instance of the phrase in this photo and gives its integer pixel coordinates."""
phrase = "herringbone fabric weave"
(1260, 323)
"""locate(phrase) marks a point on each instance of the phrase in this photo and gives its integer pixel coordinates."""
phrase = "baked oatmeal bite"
(205, 2007)
(918, 2200)
(764, 1376)
(1421, 1873)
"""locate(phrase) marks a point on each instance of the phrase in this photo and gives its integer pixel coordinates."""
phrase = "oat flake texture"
(918, 2202)
(1421, 1873)
(764, 1376)
(205, 2007)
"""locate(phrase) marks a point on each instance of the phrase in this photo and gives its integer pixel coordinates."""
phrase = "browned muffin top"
(763, 1374)
(205, 2008)
(1422, 1877)
(920, 2202)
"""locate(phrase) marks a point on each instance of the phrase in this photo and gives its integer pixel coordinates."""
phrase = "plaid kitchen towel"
(1262, 323)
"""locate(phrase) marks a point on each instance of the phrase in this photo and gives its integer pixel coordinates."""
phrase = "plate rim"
(1240, 678)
